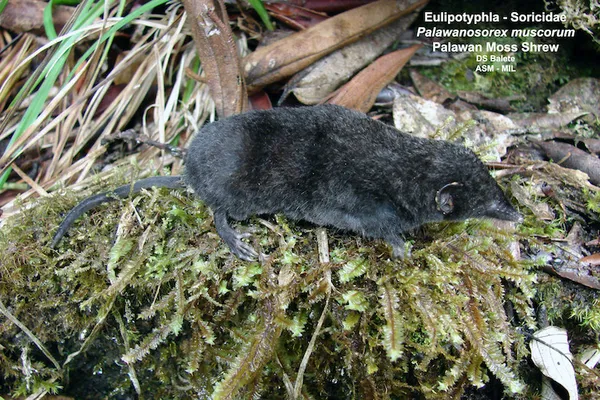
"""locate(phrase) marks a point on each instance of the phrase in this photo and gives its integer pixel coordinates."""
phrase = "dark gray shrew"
(330, 166)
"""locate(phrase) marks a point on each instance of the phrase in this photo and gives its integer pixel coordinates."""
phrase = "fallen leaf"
(568, 176)
(590, 357)
(418, 116)
(540, 209)
(593, 145)
(571, 157)
(314, 83)
(593, 259)
(428, 88)
(579, 95)
(458, 106)
(111, 94)
(328, 5)
(575, 238)
(493, 122)
(28, 16)
(360, 93)
(593, 242)
(260, 101)
(550, 353)
(284, 58)
(567, 260)
(577, 273)
(502, 105)
(127, 74)
(295, 16)
(537, 122)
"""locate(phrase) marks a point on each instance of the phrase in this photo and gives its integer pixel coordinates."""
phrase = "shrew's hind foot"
(233, 239)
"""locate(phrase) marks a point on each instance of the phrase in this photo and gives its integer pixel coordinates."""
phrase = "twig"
(132, 135)
(323, 245)
(30, 334)
(309, 350)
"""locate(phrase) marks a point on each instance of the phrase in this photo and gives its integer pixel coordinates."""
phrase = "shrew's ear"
(443, 198)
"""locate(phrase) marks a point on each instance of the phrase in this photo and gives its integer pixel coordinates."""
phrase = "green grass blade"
(3, 4)
(262, 13)
(48, 23)
(48, 77)
(113, 29)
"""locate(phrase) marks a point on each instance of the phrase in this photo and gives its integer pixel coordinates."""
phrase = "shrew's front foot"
(233, 239)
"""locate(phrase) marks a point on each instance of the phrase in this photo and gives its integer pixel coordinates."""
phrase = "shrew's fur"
(333, 167)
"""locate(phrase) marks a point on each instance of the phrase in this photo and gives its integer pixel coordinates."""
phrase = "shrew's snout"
(505, 212)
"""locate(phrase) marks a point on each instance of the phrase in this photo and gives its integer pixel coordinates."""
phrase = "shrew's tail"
(170, 182)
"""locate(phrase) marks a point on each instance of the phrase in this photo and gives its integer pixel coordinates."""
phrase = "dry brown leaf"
(286, 57)
(28, 16)
(315, 83)
(593, 259)
(360, 93)
(295, 16)
(428, 88)
(328, 5)
(579, 95)
(260, 101)
(536, 122)
(459, 106)
(540, 209)
(125, 76)
(219, 56)
(478, 99)
(580, 275)
(593, 145)
(109, 97)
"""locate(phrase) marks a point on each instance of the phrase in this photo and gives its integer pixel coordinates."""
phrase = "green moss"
(582, 15)
(352, 269)
(166, 296)
(592, 200)
(588, 315)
